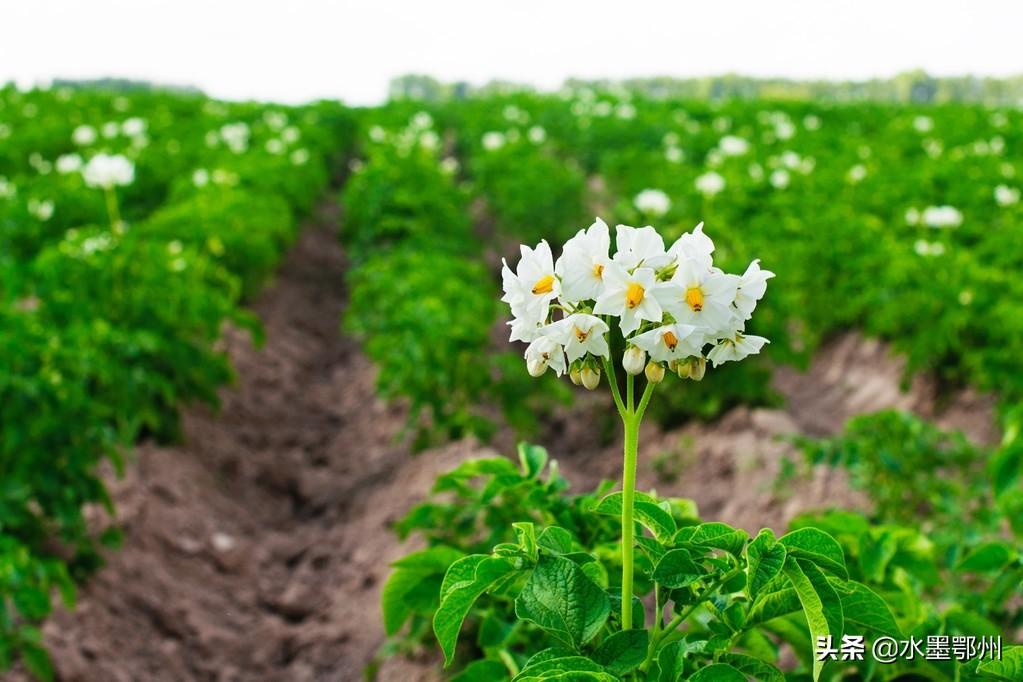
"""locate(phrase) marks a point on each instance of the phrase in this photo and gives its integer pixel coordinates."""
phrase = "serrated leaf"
(561, 599)
(753, 667)
(464, 582)
(821, 604)
(717, 672)
(677, 569)
(1009, 668)
(646, 511)
(623, 651)
(818, 547)
(765, 558)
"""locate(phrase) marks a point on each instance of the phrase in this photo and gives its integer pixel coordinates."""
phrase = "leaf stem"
(112, 210)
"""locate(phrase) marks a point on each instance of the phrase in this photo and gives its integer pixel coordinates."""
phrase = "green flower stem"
(628, 497)
(609, 369)
(631, 418)
(112, 210)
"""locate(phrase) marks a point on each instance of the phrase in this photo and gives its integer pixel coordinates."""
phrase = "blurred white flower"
(732, 145)
(857, 173)
(493, 140)
(537, 135)
(69, 163)
(756, 171)
(1006, 196)
(200, 177)
(300, 157)
(133, 127)
(110, 129)
(7, 190)
(942, 216)
(625, 111)
(107, 171)
(236, 136)
(780, 178)
(674, 154)
(710, 183)
(812, 122)
(274, 146)
(653, 202)
(912, 216)
(291, 135)
(275, 119)
(83, 135)
(449, 165)
(923, 124)
(377, 134)
(42, 210)
(926, 248)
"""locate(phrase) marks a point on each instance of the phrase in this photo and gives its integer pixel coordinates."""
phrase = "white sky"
(349, 49)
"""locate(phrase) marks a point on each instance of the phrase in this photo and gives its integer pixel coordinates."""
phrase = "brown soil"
(256, 550)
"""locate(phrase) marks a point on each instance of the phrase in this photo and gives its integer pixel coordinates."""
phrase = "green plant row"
(114, 303)
(421, 298)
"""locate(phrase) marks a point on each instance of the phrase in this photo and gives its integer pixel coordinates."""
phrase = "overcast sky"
(303, 49)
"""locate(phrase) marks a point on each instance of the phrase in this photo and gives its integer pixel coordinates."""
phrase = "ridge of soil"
(257, 549)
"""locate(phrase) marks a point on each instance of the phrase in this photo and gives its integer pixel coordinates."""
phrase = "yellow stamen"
(598, 271)
(581, 335)
(544, 285)
(670, 340)
(694, 297)
(634, 295)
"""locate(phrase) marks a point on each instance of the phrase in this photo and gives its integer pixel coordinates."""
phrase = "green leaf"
(1009, 668)
(765, 558)
(677, 569)
(556, 540)
(866, 611)
(718, 672)
(818, 547)
(877, 549)
(561, 599)
(414, 584)
(988, 558)
(526, 535)
(464, 582)
(719, 536)
(753, 667)
(646, 510)
(566, 668)
(482, 671)
(37, 661)
(533, 459)
(821, 604)
(623, 651)
(671, 661)
(771, 605)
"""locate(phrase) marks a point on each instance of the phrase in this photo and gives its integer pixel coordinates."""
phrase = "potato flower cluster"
(673, 308)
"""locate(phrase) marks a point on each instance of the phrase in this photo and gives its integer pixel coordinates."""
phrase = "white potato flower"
(671, 342)
(752, 287)
(653, 202)
(942, 217)
(493, 140)
(530, 289)
(780, 178)
(695, 246)
(733, 145)
(630, 296)
(703, 298)
(1006, 196)
(83, 135)
(107, 171)
(537, 135)
(639, 246)
(544, 352)
(69, 163)
(580, 334)
(710, 183)
(736, 347)
(582, 263)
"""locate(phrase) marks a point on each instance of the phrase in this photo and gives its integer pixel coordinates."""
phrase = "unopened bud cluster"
(673, 308)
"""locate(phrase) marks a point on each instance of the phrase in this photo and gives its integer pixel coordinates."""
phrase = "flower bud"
(634, 360)
(697, 368)
(575, 376)
(590, 377)
(654, 372)
(536, 366)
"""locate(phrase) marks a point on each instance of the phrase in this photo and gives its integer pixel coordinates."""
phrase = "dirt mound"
(256, 551)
